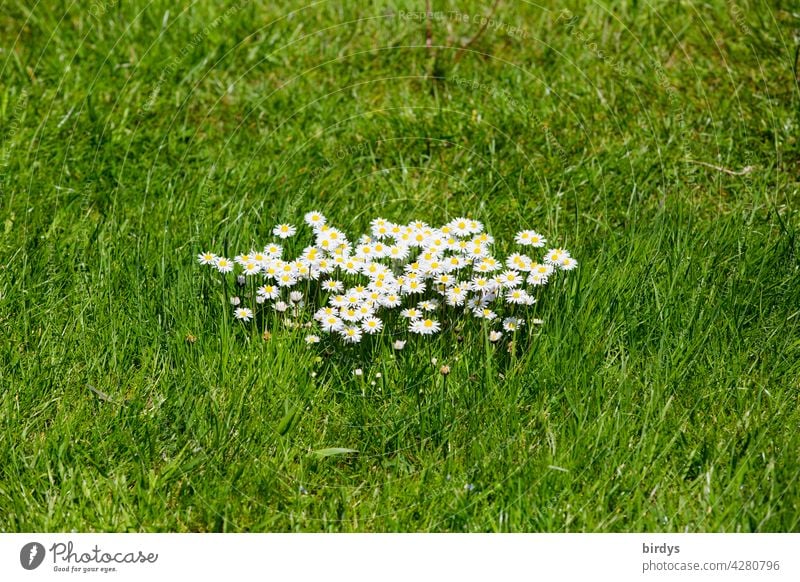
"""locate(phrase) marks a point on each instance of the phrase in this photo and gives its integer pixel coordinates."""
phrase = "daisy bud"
(358, 372)
(444, 370)
(235, 301)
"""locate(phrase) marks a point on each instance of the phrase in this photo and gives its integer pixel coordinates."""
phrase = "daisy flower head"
(280, 306)
(460, 226)
(295, 296)
(351, 334)
(286, 280)
(333, 286)
(513, 323)
(517, 297)
(331, 323)
(243, 314)
(536, 279)
(314, 219)
(555, 256)
(252, 268)
(268, 291)
(411, 313)
(273, 250)
(223, 265)
(372, 325)
(568, 263)
(427, 305)
(206, 258)
(457, 294)
(509, 279)
(495, 336)
(312, 339)
(424, 326)
(484, 313)
(530, 238)
(284, 231)
(399, 345)
(242, 259)
(391, 300)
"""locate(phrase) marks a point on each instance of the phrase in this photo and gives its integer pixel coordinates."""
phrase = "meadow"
(657, 141)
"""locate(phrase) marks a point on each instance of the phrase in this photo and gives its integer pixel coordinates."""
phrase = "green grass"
(660, 394)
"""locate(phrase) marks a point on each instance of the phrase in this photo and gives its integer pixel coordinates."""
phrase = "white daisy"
(312, 339)
(530, 238)
(333, 286)
(411, 313)
(268, 291)
(424, 326)
(284, 230)
(243, 313)
(206, 258)
(351, 334)
(331, 323)
(495, 336)
(372, 325)
(314, 219)
(513, 323)
(223, 265)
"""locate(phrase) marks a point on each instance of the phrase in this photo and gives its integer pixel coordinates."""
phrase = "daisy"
(495, 336)
(314, 219)
(391, 300)
(484, 313)
(268, 291)
(399, 345)
(424, 326)
(312, 339)
(444, 279)
(349, 314)
(331, 323)
(517, 297)
(324, 312)
(206, 258)
(286, 280)
(460, 226)
(543, 270)
(243, 314)
(568, 263)
(273, 250)
(284, 230)
(333, 286)
(223, 265)
(242, 259)
(456, 296)
(513, 323)
(428, 305)
(351, 334)
(536, 279)
(411, 313)
(555, 256)
(372, 325)
(530, 238)
(295, 296)
(509, 279)
(280, 306)
(252, 268)
(338, 301)
(398, 252)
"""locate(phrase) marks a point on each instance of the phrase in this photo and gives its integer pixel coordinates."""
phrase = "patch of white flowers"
(415, 269)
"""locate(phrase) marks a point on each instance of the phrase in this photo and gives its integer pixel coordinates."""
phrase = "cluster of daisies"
(415, 269)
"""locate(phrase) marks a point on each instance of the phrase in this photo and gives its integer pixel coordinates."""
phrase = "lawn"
(657, 141)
